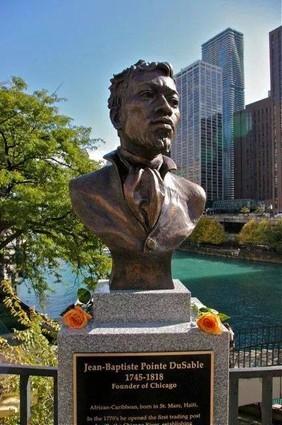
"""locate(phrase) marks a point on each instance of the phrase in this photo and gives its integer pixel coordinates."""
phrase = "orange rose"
(210, 323)
(76, 318)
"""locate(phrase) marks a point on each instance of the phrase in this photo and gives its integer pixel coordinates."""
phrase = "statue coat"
(140, 257)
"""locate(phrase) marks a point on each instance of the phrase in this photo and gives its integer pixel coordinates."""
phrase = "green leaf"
(204, 309)
(195, 309)
(83, 295)
(223, 317)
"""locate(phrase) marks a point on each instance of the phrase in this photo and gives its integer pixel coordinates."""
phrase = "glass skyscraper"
(226, 50)
(197, 149)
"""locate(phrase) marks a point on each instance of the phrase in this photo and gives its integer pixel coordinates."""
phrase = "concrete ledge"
(138, 306)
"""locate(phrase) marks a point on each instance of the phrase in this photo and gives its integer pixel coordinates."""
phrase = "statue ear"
(115, 118)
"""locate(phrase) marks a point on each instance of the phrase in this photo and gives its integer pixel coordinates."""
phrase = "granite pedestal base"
(141, 322)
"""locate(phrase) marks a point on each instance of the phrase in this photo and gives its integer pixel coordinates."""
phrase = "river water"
(249, 292)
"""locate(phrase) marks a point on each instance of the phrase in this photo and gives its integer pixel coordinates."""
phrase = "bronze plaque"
(169, 388)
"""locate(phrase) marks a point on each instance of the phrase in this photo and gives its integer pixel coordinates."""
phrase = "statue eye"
(147, 95)
(174, 101)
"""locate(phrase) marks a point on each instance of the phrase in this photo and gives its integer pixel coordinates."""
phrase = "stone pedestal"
(155, 322)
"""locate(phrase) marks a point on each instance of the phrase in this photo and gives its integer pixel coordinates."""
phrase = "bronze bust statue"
(136, 205)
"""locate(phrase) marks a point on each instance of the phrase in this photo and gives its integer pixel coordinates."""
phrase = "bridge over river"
(234, 223)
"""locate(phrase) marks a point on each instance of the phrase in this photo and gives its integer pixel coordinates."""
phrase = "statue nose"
(164, 106)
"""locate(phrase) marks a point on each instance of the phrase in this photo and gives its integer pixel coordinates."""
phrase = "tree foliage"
(254, 233)
(245, 210)
(275, 237)
(208, 231)
(262, 233)
(30, 346)
(40, 151)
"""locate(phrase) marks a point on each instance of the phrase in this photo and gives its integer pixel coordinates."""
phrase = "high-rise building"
(253, 152)
(275, 50)
(226, 50)
(197, 149)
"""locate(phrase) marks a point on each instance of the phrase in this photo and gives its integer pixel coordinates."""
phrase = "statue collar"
(162, 163)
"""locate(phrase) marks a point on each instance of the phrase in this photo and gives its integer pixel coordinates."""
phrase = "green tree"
(30, 346)
(263, 232)
(275, 236)
(255, 233)
(259, 210)
(245, 210)
(198, 233)
(246, 235)
(215, 233)
(208, 231)
(40, 151)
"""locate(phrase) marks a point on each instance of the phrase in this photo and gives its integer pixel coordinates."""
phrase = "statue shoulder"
(195, 196)
(89, 182)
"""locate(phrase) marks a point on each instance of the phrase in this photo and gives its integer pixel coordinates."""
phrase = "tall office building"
(197, 149)
(275, 50)
(226, 50)
(253, 152)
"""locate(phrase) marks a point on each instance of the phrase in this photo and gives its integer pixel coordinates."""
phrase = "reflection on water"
(61, 295)
(249, 292)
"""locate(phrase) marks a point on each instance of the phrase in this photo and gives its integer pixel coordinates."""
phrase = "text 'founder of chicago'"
(137, 206)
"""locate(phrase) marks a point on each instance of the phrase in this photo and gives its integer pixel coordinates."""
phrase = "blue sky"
(81, 43)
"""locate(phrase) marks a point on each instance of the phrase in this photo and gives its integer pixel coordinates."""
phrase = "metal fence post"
(233, 400)
(266, 404)
(56, 400)
(24, 400)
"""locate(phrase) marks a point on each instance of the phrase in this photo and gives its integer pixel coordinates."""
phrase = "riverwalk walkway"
(233, 253)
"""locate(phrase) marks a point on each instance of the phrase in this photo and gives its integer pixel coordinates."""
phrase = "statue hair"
(120, 81)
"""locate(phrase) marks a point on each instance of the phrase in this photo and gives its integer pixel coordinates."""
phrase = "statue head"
(144, 107)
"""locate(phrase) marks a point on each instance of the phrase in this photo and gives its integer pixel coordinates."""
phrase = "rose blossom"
(210, 323)
(76, 318)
